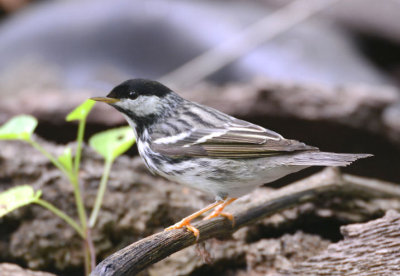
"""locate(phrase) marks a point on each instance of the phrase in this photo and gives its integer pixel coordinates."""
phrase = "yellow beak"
(105, 100)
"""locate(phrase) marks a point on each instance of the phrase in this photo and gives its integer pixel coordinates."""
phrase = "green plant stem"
(100, 193)
(91, 249)
(79, 202)
(89, 252)
(72, 177)
(75, 179)
(61, 214)
(81, 131)
(50, 157)
(87, 259)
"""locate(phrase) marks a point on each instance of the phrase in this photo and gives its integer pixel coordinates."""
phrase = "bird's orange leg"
(218, 211)
(186, 221)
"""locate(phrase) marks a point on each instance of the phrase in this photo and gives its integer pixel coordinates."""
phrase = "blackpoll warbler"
(209, 150)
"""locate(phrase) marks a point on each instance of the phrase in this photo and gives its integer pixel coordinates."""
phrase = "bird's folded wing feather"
(234, 141)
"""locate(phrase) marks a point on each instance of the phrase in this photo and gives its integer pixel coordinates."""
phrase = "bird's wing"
(239, 139)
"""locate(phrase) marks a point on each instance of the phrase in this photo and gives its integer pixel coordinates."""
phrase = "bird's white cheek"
(127, 105)
(147, 105)
(142, 106)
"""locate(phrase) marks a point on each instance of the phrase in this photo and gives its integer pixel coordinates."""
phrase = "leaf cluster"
(109, 144)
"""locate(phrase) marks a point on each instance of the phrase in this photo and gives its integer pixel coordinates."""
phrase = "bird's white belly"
(222, 177)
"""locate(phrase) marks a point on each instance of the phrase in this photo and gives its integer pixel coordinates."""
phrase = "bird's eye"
(133, 95)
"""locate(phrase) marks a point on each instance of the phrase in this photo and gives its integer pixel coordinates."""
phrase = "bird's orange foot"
(223, 214)
(218, 211)
(185, 223)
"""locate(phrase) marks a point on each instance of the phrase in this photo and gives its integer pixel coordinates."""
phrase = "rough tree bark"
(371, 248)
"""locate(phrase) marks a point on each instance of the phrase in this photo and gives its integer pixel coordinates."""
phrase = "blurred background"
(95, 44)
(326, 72)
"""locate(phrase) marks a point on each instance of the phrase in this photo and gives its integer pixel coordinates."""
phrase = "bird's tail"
(318, 158)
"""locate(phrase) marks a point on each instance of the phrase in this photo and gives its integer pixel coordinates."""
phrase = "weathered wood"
(371, 248)
(137, 256)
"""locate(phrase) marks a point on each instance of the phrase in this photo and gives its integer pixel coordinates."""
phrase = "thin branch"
(139, 255)
(253, 36)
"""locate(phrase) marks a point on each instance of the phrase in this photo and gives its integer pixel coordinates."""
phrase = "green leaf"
(66, 159)
(17, 197)
(19, 127)
(81, 112)
(112, 143)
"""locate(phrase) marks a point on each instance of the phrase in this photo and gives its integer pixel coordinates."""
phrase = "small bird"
(208, 150)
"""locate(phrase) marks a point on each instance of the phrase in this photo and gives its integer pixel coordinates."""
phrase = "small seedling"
(18, 128)
(17, 197)
(109, 144)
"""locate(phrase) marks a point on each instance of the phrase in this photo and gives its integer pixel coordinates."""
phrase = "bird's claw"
(223, 214)
(185, 223)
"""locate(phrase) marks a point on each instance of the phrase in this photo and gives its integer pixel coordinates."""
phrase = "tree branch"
(139, 255)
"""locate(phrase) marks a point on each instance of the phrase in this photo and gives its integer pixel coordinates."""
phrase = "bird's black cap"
(131, 89)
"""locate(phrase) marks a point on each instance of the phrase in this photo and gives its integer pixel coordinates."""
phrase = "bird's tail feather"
(317, 158)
